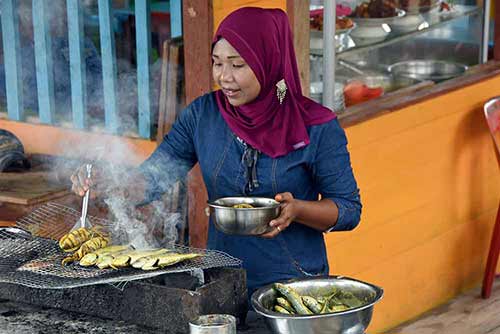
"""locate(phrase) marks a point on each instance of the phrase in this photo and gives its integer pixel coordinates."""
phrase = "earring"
(281, 90)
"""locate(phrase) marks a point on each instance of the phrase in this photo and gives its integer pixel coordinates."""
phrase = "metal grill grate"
(30, 255)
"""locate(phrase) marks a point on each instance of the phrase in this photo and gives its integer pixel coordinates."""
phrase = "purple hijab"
(263, 39)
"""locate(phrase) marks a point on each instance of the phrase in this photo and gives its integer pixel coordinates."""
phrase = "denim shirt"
(323, 167)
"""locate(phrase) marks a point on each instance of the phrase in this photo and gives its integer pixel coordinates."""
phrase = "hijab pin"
(281, 90)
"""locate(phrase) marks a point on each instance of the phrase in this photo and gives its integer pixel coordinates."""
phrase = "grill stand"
(166, 302)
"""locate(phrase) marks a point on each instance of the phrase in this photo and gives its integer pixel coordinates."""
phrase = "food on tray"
(289, 301)
(243, 206)
(91, 248)
(74, 239)
(121, 256)
(357, 91)
(375, 9)
(341, 23)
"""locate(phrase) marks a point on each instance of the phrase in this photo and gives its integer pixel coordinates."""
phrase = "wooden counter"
(430, 187)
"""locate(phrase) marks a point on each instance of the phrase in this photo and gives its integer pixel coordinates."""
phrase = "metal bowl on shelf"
(371, 30)
(244, 221)
(435, 70)
(351, 321)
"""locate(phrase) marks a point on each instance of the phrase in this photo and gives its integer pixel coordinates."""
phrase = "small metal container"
(435, 70)
(352, 321)
(213, 324)
(244, 221)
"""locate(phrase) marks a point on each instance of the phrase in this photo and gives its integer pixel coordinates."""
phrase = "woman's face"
(233, 75)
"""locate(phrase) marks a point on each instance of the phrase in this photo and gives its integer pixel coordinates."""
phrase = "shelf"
(432, 20)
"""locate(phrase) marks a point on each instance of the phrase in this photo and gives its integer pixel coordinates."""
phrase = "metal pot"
(213, 324)
(435, 70)
(378, 77)
(244, 221)
(352, 321)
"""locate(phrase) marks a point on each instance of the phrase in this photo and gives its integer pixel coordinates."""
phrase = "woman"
(259, 136)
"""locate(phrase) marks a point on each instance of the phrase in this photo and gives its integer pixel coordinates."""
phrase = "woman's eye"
(238, 65)
(217, 64)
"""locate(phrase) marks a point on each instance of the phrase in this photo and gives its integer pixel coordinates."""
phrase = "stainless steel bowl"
(244, 221)
(435, 70)
(352, 321)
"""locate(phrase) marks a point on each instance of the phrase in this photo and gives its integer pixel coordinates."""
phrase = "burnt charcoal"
(144, 303)
(9, 313)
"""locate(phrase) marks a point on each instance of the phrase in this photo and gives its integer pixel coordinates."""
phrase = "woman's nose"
(226, 74)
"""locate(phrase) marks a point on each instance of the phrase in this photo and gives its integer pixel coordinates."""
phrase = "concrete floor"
(465, 314)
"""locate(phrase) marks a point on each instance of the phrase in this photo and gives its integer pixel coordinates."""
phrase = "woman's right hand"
(80, 180)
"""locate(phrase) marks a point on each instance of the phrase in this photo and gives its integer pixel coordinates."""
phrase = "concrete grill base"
(167, 302)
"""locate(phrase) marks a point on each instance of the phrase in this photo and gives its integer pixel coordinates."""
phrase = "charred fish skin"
(74, 239)
(91, 245)
(87, 247)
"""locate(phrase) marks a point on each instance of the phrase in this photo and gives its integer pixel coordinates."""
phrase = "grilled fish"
(173, 258)
(154, 262)
(87, 247)
(104, 261)
(127, 258)
(74, 239)
(92, 258)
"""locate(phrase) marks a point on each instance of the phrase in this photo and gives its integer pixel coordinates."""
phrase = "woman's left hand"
(288, 213)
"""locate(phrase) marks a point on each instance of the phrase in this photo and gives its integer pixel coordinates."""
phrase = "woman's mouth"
(230, 92)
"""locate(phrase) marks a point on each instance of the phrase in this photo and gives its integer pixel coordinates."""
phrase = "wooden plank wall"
(430, 187)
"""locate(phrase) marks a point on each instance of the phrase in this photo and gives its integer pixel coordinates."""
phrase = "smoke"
(154, 225)
(118, 191)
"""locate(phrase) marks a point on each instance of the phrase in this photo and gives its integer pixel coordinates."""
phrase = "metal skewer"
(85, 203)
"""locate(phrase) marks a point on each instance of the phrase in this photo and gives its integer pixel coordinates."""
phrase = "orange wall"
(430, 187)
(223, 7)
(44, 139)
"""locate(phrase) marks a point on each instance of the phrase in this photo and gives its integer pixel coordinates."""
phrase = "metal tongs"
(85, 203)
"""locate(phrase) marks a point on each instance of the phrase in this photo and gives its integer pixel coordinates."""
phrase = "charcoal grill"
(31, 272)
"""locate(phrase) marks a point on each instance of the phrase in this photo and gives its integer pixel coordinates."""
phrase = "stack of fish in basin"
(327, 304)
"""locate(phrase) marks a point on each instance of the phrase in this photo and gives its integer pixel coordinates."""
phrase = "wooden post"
(198, 30)
(12, 59)
(298, 14)
(143, 46)
(109, 74)
(496, 37)
(43, 61)
(77, 63)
